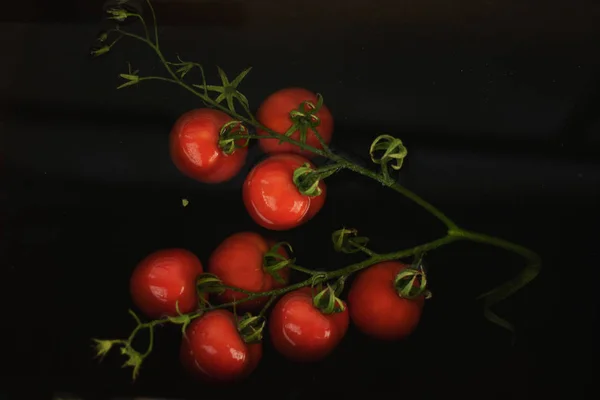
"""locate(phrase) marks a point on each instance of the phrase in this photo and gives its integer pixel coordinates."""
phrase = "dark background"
(498, 103)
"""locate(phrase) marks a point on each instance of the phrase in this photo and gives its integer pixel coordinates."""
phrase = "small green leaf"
(102, 347)
(319, 102)
(238, 79)
(220, 98)
(130, 78)
(184, 70)
(213, 88)
(130, 83)
(100, 51)
(243, 100)
(102, 37)
(118, 14)
(228, 90)
(223, 77)
(134, 360)
(230, 103)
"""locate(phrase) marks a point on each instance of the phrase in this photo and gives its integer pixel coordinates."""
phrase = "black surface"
(498, 103)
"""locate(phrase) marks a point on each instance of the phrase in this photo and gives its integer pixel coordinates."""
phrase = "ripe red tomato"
(273, 200)
(195, 150)
(238, 261)
(162, 280)
(301, 332)
(213, 350)
(377, 309)
(274, 113)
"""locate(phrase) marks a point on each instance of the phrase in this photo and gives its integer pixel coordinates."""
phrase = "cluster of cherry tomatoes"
(221, 345)
(269, 193)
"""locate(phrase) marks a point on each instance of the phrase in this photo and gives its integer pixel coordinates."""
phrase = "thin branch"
(154, 22)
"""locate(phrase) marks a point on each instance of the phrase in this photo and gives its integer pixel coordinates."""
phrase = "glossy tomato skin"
(163, 279)
(194, 147)
(271, 197)
(274, 113)
(212, 349)
(376, 308)
(238, 261)
(301, 332)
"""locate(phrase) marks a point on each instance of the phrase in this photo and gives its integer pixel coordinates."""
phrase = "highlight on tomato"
(286, 107)
(218, 348)
(165, 281)
(305, 328)
(195, 145)
(272, 198)
(248, 261)
(376, 307)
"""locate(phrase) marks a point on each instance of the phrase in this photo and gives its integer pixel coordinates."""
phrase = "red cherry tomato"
(213, 350)
(274, 113)
(238, 261)
(376, 308)
(195, 150)
(301, 332)
(163, 279)
(273, 200)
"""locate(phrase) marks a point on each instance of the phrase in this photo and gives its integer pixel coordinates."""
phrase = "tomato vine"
(386, 151)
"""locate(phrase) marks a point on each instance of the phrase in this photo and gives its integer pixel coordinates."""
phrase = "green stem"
(302, 269)
(450, 225)
(267, 305)
(156, 78)
(138, 16)
(377, 258)
(365, 250)
(236, 289)
(527, 274)
(150, 341)
(321, 140)
(341, 162)
(154, 22)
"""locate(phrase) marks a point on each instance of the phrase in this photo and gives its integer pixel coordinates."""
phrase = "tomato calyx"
(273, 261)
(305, 118)
(229, 137)
(392, 148)
(347, 241)
(307, 179)
(385, 150)
(411, 282)
(328, 302)
(228, 91)
(251, 327)
(209, 283)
